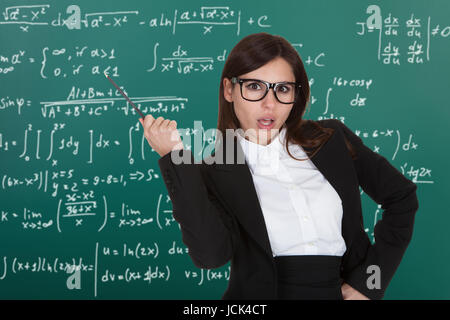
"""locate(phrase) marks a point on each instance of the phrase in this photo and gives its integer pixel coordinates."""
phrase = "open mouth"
(265, 123)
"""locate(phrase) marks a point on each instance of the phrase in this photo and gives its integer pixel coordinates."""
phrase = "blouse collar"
(258, 155)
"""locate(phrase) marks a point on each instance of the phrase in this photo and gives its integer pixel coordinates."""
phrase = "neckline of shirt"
(254, 151)
(258, 154)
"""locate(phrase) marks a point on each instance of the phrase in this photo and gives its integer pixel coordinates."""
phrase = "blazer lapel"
(244, 199)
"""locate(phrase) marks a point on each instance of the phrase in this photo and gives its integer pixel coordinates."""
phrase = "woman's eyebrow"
(265, 80)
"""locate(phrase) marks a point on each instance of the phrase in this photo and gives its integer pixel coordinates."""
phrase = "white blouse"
(302, 211)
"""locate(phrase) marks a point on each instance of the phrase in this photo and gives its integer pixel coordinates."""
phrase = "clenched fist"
(349, 293)
(161, 134)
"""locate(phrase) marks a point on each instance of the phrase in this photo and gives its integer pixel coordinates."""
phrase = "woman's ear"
(227, 90)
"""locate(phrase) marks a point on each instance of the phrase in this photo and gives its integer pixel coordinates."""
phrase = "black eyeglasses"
(255, 89)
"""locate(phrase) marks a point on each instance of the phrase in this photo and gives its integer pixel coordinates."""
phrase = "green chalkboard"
(80, 186)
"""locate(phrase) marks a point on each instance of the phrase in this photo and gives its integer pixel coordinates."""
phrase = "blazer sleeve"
(397, 195)
(208, 230)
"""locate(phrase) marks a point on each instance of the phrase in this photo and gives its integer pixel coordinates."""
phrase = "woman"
(289, 217)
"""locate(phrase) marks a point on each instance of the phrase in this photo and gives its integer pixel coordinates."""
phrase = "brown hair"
(254, 51)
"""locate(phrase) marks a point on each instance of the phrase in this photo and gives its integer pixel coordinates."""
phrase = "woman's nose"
(270, 100)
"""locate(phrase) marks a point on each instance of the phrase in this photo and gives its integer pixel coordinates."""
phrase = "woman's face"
(249, 112)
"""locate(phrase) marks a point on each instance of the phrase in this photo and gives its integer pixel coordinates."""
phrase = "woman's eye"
(254, 86)
(283, 88)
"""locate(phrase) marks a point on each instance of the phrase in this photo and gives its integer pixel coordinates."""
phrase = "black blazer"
(220, 216)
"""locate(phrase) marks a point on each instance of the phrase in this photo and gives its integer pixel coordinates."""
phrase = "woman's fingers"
(147, 121)
(173, 124)
(161, 134)
(165, 124)
(156, 124)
